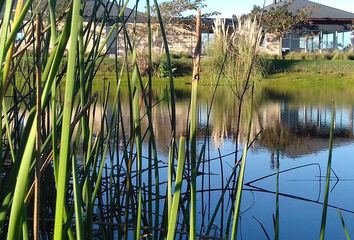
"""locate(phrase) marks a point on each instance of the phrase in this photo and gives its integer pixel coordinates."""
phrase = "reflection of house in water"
(303, 129)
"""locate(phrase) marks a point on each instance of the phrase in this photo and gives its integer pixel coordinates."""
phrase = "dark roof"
(208, 23)
(319, 11)
(113, 14)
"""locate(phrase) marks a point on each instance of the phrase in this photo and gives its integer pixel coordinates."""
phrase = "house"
(328, 29)
(180, 32)
(181, 38)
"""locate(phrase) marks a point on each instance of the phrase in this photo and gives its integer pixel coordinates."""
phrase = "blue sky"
(229, 7)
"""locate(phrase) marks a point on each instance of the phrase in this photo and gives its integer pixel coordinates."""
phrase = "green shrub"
(163, 69)
(349, 55)
(328, 55)
(177, 55)
(269, 56)
(338, 55)
(292, 56)
(186, 55)
(267, 66)
(321, 56)
(312, 56)
(143, 64)
(303, 56)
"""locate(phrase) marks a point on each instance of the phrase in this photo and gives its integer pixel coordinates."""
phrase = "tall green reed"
(67, 113)
(241, 175)
(172, 222)
(193, 128)
(328, 175)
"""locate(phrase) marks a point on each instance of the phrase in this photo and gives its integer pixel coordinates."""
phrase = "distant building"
(181, 38)
(328, 29)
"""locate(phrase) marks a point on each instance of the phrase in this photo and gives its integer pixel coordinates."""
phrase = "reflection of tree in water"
(304, 128)
(279, 138)
(222, 123)
(270, 138)
(224, 116)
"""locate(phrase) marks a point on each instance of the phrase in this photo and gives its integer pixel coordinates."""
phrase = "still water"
(285, 127)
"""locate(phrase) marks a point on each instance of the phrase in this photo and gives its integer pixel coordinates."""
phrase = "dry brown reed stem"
(198, 48)
(50, 155)
(37, 175)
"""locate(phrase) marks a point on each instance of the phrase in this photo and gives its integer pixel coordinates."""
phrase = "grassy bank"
(309, 69)
(310, 81)
(306, 71)
(300, 81)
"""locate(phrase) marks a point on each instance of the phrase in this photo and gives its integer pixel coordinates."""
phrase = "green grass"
(343, 69)
(310, 81)
(310, 71)
(307, 88)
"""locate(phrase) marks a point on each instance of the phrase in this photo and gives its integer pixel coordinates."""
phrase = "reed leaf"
(77, 201)
(241, 174)
(328, 175)
(343, 224)
(67, 113)
(21, 184)
(193, 139)
(177, 191)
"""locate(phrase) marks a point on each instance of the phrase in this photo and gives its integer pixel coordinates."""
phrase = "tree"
(281, 21)
(179, 11)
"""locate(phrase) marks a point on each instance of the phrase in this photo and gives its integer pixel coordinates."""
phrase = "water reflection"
(300, 131)
(304, 127)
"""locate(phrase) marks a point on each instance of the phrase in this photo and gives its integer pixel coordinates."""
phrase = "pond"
(291, 135)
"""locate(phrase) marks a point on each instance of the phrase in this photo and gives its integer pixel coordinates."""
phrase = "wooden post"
(36, 207)
(198, 48)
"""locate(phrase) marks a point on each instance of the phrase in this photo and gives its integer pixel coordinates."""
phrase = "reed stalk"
(67, 113)
(241, 174)
(344, 225)
(328, 175)
(193, 128)
(37, 178)
(138, 139)
(177, 191)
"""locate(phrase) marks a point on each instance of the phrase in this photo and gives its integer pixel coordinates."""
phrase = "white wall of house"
(180, 40)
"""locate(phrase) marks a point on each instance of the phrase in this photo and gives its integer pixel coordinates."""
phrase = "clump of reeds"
(243, 53)
(323, 55)
(217, 48)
